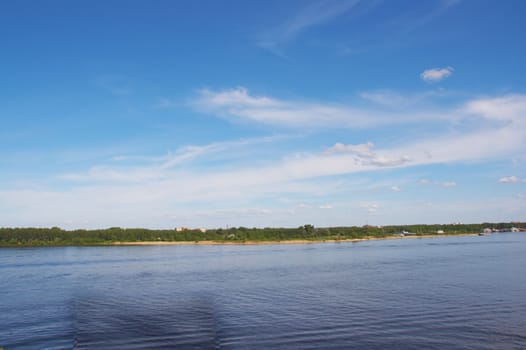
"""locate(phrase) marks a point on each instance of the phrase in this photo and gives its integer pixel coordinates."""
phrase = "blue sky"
(162, 114)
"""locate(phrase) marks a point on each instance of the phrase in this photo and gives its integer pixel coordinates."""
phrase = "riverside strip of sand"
(295, 241)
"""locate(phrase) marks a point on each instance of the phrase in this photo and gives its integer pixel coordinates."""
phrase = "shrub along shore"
(34, 237)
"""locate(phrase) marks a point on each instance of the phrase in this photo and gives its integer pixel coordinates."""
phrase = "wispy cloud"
(396, 100)
(396, 28)
(438, 8)
(393, 30)
(436, 74)
(239, 104)
(509, 108)
(161, 167)
(445, 184)
(311, 15)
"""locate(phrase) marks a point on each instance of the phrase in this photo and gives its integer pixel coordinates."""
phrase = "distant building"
(487, 230)
(407, 233)
(440, 232)
(202, 230)
(514, 229)
(181, 229)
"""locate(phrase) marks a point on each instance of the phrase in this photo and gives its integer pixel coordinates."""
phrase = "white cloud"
(436, 74)
(325, 206)
(511, 179)
(424, 182)
(395, 189)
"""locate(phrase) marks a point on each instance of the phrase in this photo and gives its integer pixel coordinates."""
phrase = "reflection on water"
(446, 293)
(115, 324)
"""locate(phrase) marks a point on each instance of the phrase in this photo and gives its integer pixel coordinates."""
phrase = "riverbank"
(306, 234)
(295, 241)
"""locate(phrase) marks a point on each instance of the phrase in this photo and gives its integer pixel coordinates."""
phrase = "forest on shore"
(55, 236)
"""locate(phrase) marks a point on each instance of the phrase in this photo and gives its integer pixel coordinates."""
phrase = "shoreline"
(294, 241)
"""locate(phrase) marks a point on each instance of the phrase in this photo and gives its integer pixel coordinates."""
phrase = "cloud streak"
(239, 105)
(445, 184)
(311, 15)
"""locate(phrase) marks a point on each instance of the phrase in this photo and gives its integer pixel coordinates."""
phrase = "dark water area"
(443, 293)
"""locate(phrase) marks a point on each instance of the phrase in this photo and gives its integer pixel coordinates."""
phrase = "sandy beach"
(295, 241)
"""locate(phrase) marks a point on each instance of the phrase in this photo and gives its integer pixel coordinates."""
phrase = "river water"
(440, 293)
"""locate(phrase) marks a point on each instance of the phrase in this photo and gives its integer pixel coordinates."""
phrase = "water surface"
(443, 293)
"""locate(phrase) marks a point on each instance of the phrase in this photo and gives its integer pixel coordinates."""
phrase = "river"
(438, 293)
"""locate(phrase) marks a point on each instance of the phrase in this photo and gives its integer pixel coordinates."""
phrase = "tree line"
(56, 236)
